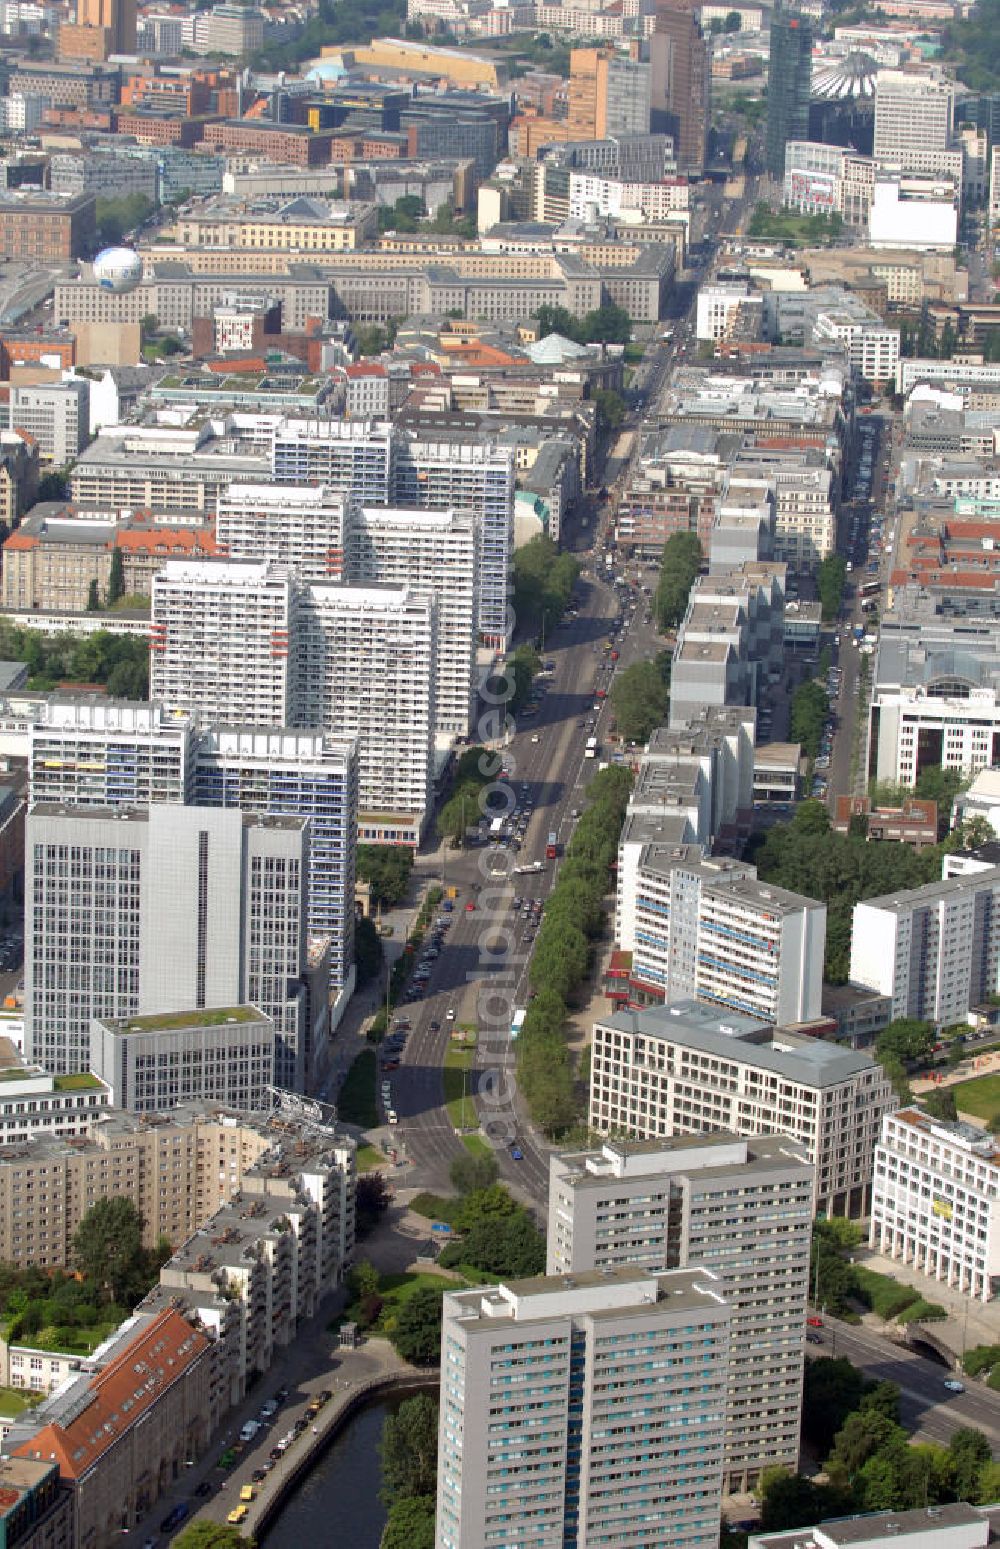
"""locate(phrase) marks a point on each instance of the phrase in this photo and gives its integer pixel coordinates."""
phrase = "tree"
(408, 1450)
(509, 1245)
(940, 1104)
(862, 1435)
(368, 954)
(679, 566)
(212, 1535)
(53, 485)
(906, 1040)
(787, 1501)
(968, 1452)
(833, 1390)
(371, 1201)
(640, 698)
(610, 408)
(411, 1524)
(116, 578)
(810, 707)
(830, 584)
(989, 1485)
(114, 217)
(417, 1331)
(471, 1173)
(387, 868)
(364, 1280)
(107, 1245)
(93, 597)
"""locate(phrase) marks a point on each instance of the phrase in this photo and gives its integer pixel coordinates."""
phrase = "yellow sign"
(943, 1208)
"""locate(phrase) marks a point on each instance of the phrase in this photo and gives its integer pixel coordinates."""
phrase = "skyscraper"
(583, 1410)
(680, 84)
(161, 908)
(608, 94)
(740, 1208)
(788, 86)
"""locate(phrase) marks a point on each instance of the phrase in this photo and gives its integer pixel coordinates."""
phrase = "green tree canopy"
(368, 954)
(810, 707)
(387, 867)
(640, 698)
(408, 1450)
(416, 1334)
(212, 1535)
(679, 566)
(470, 1173)
(905, 1040)
(830, 583)
(411, 1524)
(107, 1245)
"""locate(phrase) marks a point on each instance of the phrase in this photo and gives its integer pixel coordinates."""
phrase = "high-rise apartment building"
(110, 753)
(608, 94)
(933, 950)
(220, 640)
(788, 85)
(740, 1208)
(57, 414)
(368, 668)
(350, 456)
(301, 527)
(436, 552)
(680, 85)
(936, 1201)
(583, 1410)
(708, 929)
(688, 1069)
(159, 909)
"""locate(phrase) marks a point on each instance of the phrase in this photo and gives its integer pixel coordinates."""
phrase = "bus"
(590, 751)
(496, 828)
(869, 588)
(552, 847)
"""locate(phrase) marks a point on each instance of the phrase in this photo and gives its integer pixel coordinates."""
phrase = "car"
(238, 1514)
(953, 1385)
(269, 1408)
(470, 907)
(175, 1517)
(535, 737)
(205, 1488)
(324, 1397)
(449, 1015)
(814, 1322)
(249, 1430)
(434, 1026)
(516, 1154)
(249, 1491)
(814, 1339)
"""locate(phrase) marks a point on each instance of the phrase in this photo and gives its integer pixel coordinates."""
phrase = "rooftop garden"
(168, 1021)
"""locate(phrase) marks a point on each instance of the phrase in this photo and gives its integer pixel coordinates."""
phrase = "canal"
(337, 1502)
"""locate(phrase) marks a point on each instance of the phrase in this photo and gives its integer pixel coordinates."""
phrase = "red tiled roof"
(121, 1394)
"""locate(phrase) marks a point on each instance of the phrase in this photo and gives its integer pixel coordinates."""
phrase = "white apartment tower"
(437, 552)
(740, 1208)
(583, 1410)
(690, 1069)
(301, 526)
(368, 665)
(915, 122)
(933, 950)
(936, 1201)
(159, 909)
(220, 639)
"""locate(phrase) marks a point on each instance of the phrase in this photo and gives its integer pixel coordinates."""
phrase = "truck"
(859, 633)
(496, 828)
(517, 1020)
(590, 751)
(869, 588)
(552, 847)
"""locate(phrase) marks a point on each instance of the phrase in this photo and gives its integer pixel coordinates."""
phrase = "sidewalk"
(968, 1323)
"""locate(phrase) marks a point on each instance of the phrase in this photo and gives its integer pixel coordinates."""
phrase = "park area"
(979, 1097)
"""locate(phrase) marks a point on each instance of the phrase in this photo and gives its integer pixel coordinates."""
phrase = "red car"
(470, 907)
(815, 1322)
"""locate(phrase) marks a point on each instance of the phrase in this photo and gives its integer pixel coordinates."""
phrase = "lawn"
(356, 1103)
(70, 1341)
(477, 1145)
(980, 1096)
(79, 1081)
(458, 1084)
(436, 1207)
(370, 1159)
(14, 1401)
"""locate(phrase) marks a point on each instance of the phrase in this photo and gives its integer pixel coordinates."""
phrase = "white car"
(449, 1015)
(953, 1385)
(534, 736)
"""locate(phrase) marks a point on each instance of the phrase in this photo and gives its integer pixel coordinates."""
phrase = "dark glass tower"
(788, 82)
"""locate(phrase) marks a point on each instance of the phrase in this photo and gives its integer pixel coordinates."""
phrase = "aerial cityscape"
(499, 774)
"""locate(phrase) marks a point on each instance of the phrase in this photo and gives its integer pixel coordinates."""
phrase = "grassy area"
(14, 1401)
(80, 1081)
(356, 1103)
(436, 1207)
(370, 1159)
(166, 1021)
(458, 1088)
(70, 1341)
(477, 1145)
(980, 1096)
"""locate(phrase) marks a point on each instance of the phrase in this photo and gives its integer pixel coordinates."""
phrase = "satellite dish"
(118, 269)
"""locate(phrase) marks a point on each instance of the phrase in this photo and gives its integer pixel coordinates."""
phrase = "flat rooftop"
(173, 1021)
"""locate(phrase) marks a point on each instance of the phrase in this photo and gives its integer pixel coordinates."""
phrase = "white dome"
(118, 269)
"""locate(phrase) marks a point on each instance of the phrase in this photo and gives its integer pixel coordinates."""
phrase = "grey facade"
(741, 1208)
(153, 1063)
(57, 414)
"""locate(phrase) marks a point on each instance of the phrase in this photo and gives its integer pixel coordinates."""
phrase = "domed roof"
(852, 76)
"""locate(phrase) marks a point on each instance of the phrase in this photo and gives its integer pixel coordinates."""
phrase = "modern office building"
(306, 774)
(914, 120)
(97, 753)
(740, 1208)
(220, 640)
(371, 666)
(153, 1063)
(582, 1410)
(936, 1201)
(162, 909)
(302, 528)
(608, 94)
(933, 950)
(436, 552)
(680, 85)
(788, 85)
(688, 1068)
(33, 1102)
(57, 414)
